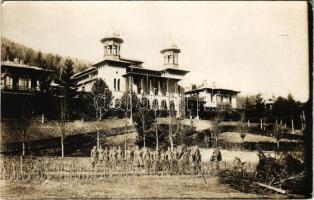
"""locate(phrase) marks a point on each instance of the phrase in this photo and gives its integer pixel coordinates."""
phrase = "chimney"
(22, 62)
(16, 60)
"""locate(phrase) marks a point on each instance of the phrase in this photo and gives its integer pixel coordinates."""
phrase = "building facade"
(211, 98)
(20, 88)
(160, 87)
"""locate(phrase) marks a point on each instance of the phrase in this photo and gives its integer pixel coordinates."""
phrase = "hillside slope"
(11, 50)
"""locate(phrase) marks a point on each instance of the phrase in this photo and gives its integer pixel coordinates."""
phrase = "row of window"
(171, 59)
(18, 83)
(155, 104)
(116, 84)
(112, 49)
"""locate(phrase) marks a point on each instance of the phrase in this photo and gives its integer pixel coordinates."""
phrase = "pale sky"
(247, 46)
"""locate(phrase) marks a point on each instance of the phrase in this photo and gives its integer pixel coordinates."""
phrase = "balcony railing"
(18, 88)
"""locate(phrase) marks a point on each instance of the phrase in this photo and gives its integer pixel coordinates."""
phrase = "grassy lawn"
(126, 187)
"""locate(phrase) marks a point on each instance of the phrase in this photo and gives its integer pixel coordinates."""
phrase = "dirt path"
(125, 187)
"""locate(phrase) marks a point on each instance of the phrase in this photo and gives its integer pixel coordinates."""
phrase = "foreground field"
(126, 187)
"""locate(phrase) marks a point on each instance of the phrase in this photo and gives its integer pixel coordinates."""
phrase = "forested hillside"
(11, 50)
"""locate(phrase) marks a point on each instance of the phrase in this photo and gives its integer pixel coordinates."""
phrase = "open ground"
(126, 187)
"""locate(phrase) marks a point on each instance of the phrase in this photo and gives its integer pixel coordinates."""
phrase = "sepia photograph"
(156, 99)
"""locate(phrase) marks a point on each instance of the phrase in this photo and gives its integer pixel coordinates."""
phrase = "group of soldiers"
(178, 160)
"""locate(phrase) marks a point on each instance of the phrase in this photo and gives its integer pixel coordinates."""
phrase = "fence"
(36, 168)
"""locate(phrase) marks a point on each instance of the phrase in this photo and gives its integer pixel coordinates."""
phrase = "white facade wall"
(108, 74)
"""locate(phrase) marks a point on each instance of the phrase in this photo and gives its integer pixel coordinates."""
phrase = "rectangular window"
(23, 84)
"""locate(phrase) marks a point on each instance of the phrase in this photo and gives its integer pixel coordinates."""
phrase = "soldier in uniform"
(128, 160)
(138, 162)
(168, 160)
(163, 161)
(216, 157)
(156, 160)
(114, 156)
(93, 155)
(100, 155)
(146, 159)
(185, 162)
(119, 154)
(174, 161)
(196, 160)
(106, 154)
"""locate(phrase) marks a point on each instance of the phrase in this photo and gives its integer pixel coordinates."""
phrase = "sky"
(253, 47)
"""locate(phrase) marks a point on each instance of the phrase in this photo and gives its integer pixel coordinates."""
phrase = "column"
(159, 92)
(142, 86)
(150, 87)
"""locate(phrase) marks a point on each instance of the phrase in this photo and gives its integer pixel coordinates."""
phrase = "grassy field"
(126, 187)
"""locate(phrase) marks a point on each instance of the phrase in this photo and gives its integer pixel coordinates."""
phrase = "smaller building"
(17, 77)
(210, 98)
(20, 88)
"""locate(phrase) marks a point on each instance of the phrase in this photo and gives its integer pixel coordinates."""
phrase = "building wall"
(213, 100)
(110, 75)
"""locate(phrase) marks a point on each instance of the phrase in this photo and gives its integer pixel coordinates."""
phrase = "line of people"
(179, 160)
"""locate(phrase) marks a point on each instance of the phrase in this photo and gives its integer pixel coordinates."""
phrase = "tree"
(102, 97)
(24, 121)
(217, 129)
(286, 108)
(259, 106)
(62, 123)
(39, 59)
(68, 87)
(278, 132)
(242, 128)
(247, 107)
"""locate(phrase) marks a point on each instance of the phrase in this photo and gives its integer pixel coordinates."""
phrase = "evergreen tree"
(259, 106)
(39, 59)
(68, 87)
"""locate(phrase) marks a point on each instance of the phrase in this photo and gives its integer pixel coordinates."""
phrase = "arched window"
(114, 84)
(114, 49)
(163, 105)
(169, 58)
(155, 104)
(119, 84)
(117, 103)
(110, 49)
(172, 105)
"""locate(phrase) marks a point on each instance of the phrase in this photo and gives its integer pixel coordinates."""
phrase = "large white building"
(160, 87)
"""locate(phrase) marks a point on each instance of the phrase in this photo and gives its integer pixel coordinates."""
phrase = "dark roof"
(23, 66)
(176, 71)
(131, 60)
(86, 71)
(175, 49)
(215, 90)
(114, 38)
(121, 62)
(142, 71)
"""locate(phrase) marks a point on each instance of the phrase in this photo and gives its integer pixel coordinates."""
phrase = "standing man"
(197, 160)
(146, 160)
(119, 155)
(100, 155)
(93, 155)
(106, 155)
(137, 159)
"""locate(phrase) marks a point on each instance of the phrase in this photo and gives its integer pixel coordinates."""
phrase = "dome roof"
(115, 36)
(173, 47)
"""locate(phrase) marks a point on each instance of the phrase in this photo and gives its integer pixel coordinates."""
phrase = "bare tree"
(62, 123)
